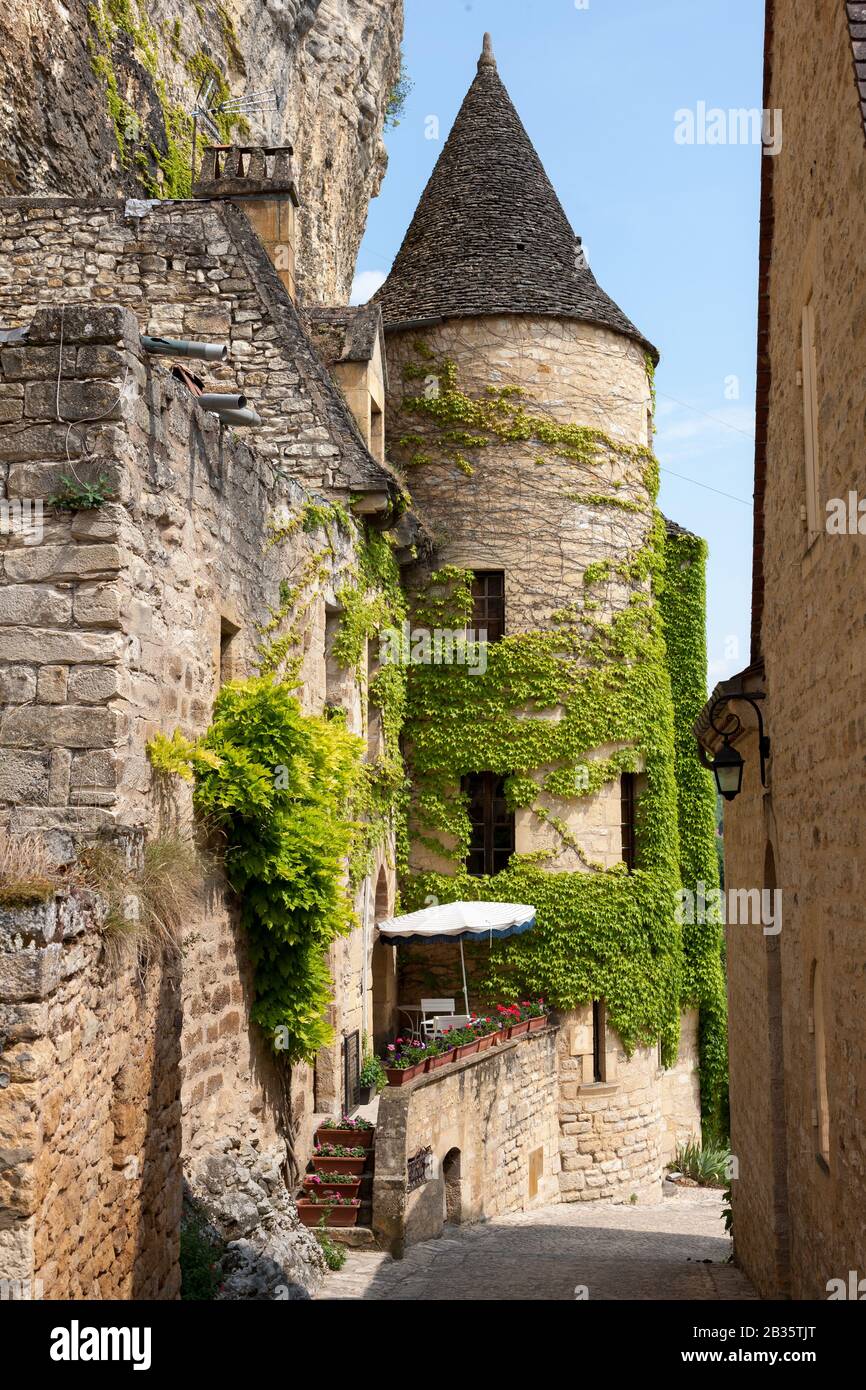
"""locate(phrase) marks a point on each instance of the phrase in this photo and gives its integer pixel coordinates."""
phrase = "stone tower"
(520, 410)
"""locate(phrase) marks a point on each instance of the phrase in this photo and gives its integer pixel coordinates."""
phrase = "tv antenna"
(207, 109)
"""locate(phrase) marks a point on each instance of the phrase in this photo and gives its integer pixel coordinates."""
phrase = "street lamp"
(728, 771)
(727, 766)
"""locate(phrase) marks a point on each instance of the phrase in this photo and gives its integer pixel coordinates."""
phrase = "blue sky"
(671, 229)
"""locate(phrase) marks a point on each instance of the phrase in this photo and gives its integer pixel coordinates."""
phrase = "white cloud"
(365, 285)
(683, 433)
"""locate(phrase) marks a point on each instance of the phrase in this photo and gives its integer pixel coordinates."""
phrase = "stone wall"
(800, 1221)
(115, 624)
(491, 1125)
(90, 1111)
(535, 527)
(336, 61)
(618, 1134)
(192, 270)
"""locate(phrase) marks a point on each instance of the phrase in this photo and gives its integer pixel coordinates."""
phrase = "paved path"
(674, 1250)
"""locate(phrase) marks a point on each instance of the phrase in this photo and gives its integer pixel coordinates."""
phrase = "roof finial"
(487, 60)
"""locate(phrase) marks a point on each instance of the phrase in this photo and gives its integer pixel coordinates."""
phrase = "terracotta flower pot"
(536, 1023)
(311, 1214)
(518, 1029)
(443, 1060)
(485, 1042)
(349, 1138)
(396, 1077)
(338, 1165)
(467, 1050)
(343, 1189)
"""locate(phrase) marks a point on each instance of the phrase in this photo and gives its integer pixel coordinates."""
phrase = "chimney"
(263, 181)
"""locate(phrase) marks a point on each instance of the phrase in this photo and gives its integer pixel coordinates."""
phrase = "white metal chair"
(431, 1010)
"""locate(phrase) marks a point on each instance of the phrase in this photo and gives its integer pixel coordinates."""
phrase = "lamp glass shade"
(728, 772)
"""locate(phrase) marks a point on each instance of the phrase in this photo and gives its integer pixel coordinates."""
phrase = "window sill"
(598, 1088)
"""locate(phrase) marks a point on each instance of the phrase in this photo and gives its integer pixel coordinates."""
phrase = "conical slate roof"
(489, 235)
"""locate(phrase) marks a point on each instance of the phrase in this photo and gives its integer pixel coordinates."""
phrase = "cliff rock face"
(96, 96)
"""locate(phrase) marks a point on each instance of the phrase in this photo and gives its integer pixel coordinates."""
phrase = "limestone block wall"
(811, 821)
(535, 528)
(123, 621)
(491, 1125)
(192, 270)
(90, 1111)
(618, 1134)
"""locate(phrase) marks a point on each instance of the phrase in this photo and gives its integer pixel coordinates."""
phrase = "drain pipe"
(238, 417)
(182, 347)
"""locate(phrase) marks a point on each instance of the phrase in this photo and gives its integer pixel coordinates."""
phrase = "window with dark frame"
(598, 1048)
(351, 1072)
(491, 843)
(628, 799)
(488, 603)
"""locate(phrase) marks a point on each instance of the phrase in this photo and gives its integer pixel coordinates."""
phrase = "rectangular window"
(491, 843)
(488, 603)
(228, 651)
(627, 801)
(598, 1040)
(810, 419)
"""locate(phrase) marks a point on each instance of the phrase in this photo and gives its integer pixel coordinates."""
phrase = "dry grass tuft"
(28, 875)
(147, 909)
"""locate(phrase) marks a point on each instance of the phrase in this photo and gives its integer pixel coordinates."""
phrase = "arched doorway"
(453, 1194)
(384, 973)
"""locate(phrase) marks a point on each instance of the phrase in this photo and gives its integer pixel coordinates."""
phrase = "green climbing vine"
(602, 684)
(297, 796)
(162, 168)
(683, 610)
(279, 785)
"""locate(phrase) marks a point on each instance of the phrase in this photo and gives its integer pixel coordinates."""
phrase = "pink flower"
(391, 1047)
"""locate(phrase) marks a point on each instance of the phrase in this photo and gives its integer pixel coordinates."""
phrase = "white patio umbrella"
(460, 922)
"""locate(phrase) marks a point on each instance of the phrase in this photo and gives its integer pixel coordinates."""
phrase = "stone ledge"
(453, 1068)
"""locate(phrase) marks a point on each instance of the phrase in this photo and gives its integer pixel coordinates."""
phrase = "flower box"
(441, 1060)
(350, 1138)
(536, 1023)
(338, 1165)
(467, 1049)
(398, 1077)
(518, 1029)
(311, 1213)
(486, 1041)
(316, 1182)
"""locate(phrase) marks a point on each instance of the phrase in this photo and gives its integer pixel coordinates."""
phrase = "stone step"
(358, 1237)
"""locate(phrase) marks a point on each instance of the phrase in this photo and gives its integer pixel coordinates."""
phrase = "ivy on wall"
(683, 609)
(601, 932)
(295, 795)
(278, 784)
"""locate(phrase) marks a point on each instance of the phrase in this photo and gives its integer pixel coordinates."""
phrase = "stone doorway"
(452, 1189)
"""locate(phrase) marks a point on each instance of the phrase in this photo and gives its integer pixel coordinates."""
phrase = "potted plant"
(487, 1030)
(339, 1158)
(511, 1020)
(439, 1053)
(536, 1011)
(346, 1131)
(345, 1184)
(403, 1062)
(373, 1078)
(334, 1209)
